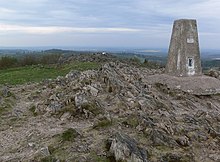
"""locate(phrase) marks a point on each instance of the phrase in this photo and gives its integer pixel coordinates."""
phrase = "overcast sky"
(104, 23)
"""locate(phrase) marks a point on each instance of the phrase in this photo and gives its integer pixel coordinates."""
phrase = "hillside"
(113, 113)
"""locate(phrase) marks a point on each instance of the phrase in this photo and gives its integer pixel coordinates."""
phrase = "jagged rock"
(172, 124)
(5, 91)
(210, 105)
(54, 106)
(93, 90)
(183, 141)
(80, 100)
(45, 151)
(160, 138)
(214, 133)
(32, 144)
(73, 75)
(215, 157)
(129, 94)
(95, 57)
(214, 73)
(65, 116)
(124, 148)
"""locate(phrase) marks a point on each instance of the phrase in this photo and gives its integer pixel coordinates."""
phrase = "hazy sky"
(104, 23)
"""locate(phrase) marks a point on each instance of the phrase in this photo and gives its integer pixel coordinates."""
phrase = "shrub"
(151, 64)
(8, 62)
(135, 60)
(50, 58)
(29, 60)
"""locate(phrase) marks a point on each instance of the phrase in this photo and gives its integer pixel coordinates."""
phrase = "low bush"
(7, 62)
(49, 59)
(69, 135)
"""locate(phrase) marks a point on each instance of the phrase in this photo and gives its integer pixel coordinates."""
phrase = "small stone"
(45, 151)
(65, 116)
(80, 100)
(209, 104)
(73, 75)
(5, 91)
(93, 91)
(130, 94)
(31, 144)
(183, 141)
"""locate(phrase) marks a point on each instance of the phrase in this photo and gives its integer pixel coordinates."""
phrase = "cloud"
(58, 29)
(141, 18)
(6, 11)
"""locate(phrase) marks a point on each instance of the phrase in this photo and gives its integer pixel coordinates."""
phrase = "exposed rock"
(160, 138)
(65, 116)
(95, 57)
(183, 141)
(73, 75)
(5, 91)
(80, 100)
(172, 124)
(214, 73)
(31, 144)
(93, 90)
(54, 106)
(126, 149)
(45, 151)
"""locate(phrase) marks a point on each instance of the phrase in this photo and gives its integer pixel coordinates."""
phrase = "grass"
(97, 158)
(93, 108)
(33, 110)
(131, 121)
(104, 123)
(21, 75)
(48, 159)
(69, 134)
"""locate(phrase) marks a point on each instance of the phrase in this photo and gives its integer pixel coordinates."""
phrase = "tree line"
(8, 61)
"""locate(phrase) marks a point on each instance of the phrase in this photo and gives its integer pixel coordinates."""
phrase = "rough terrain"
(111, 114)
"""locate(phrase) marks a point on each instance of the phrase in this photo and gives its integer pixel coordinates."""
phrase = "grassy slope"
(25, 74)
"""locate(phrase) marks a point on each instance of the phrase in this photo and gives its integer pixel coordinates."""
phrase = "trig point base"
(184, 55)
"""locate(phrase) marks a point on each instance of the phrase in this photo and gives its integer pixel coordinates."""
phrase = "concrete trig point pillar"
(184, 55)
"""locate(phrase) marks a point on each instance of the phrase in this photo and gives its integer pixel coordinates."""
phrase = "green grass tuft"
(48, 159)
(104, 123)
(33, 110)
(97, 158)
(69, 135)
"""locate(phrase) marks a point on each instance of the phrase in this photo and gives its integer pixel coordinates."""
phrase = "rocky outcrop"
(124, 148)
(214, 73)
(169, 123)
(95, 57)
